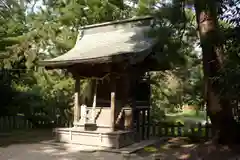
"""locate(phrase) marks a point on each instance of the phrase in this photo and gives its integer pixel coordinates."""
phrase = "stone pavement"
(47, 151)
(40, 145)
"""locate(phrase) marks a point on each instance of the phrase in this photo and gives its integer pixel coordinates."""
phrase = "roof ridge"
(116, 22)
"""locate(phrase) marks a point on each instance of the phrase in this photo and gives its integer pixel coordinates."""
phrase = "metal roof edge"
(105, 59)
(133, 19)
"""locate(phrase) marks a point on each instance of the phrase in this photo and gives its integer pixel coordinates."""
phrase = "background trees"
(34, 30)
(31, 30)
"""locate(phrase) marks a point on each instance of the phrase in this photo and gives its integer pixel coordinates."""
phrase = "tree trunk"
(218, 108)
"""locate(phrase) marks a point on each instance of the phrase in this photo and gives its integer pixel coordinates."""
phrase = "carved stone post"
(128, 116)
(128, 122)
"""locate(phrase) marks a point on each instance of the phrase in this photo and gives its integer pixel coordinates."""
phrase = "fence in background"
(11, 123)
(143, 130)
(198, 130)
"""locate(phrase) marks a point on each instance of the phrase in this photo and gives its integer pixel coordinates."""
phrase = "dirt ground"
(24, 146)
(185, 149)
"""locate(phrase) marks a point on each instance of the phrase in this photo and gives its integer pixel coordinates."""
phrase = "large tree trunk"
(219, 109)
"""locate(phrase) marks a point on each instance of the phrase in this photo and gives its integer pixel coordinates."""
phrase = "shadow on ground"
(25, 137)
(186, 149)
(39, 145)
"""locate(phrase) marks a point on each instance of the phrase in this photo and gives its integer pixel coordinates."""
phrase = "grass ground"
(187, 117)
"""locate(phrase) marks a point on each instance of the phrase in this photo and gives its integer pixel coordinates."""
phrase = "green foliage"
(29, 34)
(229, 74)
(181, 83)
(7, 92)
(226, 81)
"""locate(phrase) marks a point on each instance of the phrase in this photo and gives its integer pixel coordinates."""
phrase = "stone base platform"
(116, 139)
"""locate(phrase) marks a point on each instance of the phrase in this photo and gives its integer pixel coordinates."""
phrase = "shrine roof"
(109, 42)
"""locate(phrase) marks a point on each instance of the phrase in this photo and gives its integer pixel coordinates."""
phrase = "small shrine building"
(116, 56)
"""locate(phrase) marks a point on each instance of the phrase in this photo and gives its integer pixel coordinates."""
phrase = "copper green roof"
(109, 42)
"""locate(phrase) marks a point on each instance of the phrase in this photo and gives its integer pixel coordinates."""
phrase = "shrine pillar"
(113, 101)
(76, 100)
(95, 85)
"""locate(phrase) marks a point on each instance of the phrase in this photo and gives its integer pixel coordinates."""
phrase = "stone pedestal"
(116, 139)
(99, 134)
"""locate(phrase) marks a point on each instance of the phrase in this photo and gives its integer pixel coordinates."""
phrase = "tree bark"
(218, 108)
